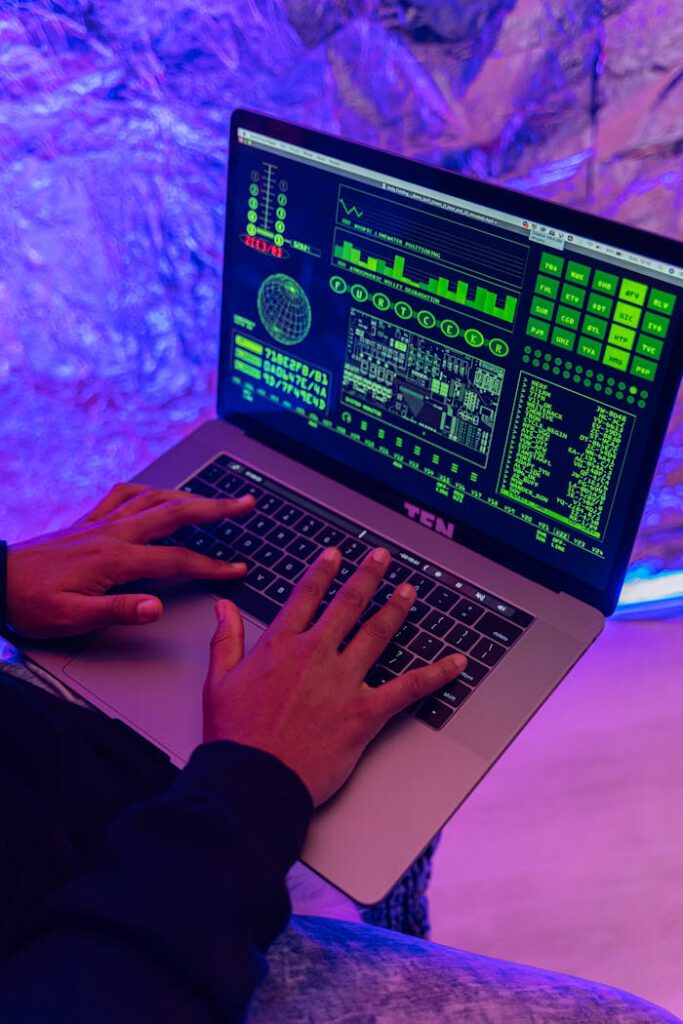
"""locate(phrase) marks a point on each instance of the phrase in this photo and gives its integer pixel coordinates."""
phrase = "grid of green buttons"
(585, 376)
(615, 321)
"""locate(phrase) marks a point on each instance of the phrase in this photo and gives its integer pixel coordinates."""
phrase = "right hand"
(296, 695)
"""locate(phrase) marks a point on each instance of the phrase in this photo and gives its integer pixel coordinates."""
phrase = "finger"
(150, 497)
(346, 608)
(118, 495)
(158, 522)
(166, 563)
(87, 613)
(299, 610)
(375, 634)
(414, 685)
(227, 643)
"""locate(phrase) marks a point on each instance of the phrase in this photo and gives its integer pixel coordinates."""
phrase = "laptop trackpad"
(152, 676)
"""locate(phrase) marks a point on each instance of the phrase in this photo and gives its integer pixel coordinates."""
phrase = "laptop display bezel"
(511, 202)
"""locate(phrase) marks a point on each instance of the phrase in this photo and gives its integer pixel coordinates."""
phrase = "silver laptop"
(474, 378)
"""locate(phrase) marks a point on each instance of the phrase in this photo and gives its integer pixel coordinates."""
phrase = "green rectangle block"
(633, 291)
(594, 328)
(547, 287)
(622, 337)
(541, 307)
(588, 348)
(253, 346)
(563, 339)
(617, 358)
(661, 302)
(537, 329)
(573, 296)
(567, 317)
(643, 368)
(649, 347)
(248, 357)
(250, 371)
(599, 305)
(578, 273)
(654, 324)
(551, 264)
(605, 283)
(627, 314)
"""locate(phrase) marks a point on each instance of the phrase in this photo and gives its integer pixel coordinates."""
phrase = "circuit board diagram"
(430, 390)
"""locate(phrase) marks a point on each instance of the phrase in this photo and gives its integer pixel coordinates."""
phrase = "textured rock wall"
(113, 123)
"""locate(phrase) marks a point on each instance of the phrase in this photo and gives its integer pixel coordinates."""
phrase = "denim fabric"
(329, 972)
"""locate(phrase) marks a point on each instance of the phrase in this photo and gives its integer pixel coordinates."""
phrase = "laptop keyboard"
(286, 532)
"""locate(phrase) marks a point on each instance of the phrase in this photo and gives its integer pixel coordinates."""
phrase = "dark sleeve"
(171, 919)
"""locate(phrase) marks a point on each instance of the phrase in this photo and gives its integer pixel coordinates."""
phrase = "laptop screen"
(494, 366)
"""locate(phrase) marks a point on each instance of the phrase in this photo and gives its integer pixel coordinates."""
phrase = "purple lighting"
(113, 140)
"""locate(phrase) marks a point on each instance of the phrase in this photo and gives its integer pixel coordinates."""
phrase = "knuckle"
(352, 597)
(119, 605)
(377, 629)
(311, 587)
(413, 687)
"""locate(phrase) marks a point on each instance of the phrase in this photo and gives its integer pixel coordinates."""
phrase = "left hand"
(57, 584)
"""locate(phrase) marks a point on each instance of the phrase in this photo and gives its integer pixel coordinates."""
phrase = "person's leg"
(323, 972)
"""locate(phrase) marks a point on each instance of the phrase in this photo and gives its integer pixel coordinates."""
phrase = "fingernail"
(329, 554)
(459, 662)
(380, 555)
(148, 610)
(405, 590)
(240, 566)
(219, 608)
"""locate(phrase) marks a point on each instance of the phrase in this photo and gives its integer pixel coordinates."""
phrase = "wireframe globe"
(284, 309)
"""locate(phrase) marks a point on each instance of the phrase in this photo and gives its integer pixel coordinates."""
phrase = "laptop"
(476, 379)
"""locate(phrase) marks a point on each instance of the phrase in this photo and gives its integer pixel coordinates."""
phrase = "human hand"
(296, 695)
(57, 584)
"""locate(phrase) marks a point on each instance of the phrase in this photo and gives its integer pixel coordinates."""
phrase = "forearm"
(172, 918)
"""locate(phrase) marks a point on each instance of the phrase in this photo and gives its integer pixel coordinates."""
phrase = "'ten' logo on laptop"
(425, 518)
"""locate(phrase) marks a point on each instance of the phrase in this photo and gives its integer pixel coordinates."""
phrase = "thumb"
(89, 613)
(418, 684)
(227, 643)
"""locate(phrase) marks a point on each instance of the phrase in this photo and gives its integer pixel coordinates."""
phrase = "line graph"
(351, 211)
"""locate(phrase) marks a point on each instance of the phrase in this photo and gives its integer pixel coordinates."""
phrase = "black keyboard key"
(224, 461)
(425, 646)
(250, 601)
(434, 713)
(197, 486)
(396, 658)
(281, 536)
(289, 567)
(383, 593)
(346, 569)
(201, 542)
(227, 530)
(260, 524)
(329, 537)
(223, 553)
(405, 634)
(443, 599)
(279, 591)
(268, 504)
(211, 473)
(268, 555)
(437, 623)
(499, 629)
(332, 591)
(467, 612)
(260, 578)
(309, 526)
(302, 547)
(462, 637)
(249, 488)
(247, 545)
(454, 694)
(473, 673)
(422, 584)
(353, 549)
(288, 515)
(417, 612)
(488, 652)
(230, 484)
(379, 675)
(183, 535)
(396, 573)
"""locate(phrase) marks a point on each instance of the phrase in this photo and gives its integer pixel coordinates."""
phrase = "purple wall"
(113, 124)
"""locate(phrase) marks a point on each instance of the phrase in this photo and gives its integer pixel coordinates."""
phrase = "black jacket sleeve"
(170, 919)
